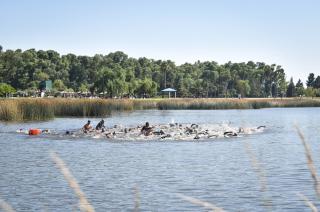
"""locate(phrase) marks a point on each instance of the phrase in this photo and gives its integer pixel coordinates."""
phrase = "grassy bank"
(43, 109)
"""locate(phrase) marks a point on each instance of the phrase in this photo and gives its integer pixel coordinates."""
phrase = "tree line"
(117, 75)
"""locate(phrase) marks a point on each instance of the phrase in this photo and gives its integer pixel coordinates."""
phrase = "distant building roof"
(169, 90)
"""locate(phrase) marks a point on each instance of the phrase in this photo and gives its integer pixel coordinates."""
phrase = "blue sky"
(285, 32)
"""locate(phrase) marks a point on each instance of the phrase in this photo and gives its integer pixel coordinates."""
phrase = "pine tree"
(317, 82)
(291, 91)
(299, 88)
(310, 81)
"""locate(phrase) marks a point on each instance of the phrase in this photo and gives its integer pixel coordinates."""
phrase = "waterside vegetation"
(25, 109)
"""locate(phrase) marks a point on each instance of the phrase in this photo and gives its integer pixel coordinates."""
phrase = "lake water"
(220, 171)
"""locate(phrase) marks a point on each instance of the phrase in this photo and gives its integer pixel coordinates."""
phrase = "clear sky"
(285, 32)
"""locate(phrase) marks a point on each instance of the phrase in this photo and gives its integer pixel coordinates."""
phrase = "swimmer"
(100, 125)
(146, 129)
(229, 133)
(87, 127)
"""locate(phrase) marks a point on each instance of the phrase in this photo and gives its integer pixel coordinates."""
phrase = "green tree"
(279, 81)
(223, 80)
(6, 89)
(243, 87)
(119, 75)
(147, 88)
(40, 76)
(59, 85)
(83, 88)
(104, 82)
(310, 92)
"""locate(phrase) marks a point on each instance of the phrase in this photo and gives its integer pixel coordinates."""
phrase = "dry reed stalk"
(310, 162)
(260, 172)
(84, 204)
(308, 202)
(6, 206)
(200, 203)
(257, 167)
(136, 199)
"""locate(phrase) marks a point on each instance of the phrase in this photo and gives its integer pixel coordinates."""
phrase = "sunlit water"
(219, 171)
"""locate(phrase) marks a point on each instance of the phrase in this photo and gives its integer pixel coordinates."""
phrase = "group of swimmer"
(145, 130)
(88, 128)
(172, 130)
(175, 131)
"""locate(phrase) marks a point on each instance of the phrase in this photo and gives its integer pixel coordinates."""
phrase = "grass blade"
(310, 162)
(136, 199)
(308, 202)
(84, 204)
(200, 203)
(6, 206)
(260, 173)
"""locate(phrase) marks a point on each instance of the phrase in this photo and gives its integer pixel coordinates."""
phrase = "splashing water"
(172, 131)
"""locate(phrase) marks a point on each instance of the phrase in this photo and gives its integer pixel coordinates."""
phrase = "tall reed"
(84, 204)
(311, 165)
(308, 203)
(10, 111)
(43, 109)
(35, 110)
(6, 206)
(136, 199)
(199, 202)
(257, 167)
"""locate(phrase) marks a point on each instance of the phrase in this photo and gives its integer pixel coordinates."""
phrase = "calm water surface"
(218, 171)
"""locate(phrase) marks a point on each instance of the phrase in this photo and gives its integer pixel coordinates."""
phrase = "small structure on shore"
(45, 85)
(169, 90)
(67, 94)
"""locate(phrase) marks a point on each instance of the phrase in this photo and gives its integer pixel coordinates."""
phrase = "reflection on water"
(220, 172)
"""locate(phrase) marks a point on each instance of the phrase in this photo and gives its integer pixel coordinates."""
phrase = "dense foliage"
(6, 89)
(116, 74)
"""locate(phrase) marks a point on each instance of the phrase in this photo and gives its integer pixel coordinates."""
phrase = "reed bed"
(23, 109)
(10, 111)
(35, 110)
(202, 104)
